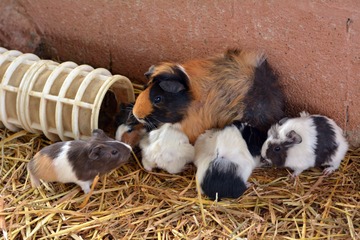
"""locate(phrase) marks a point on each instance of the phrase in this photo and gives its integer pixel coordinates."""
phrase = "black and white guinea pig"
(226, 158)
(166, 148)
(78, 161)
(304, 142)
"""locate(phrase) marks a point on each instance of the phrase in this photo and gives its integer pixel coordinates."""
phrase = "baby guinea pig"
(226, 158)
(78, 161)
(129, 130)
(167, 148)
(130, 134)
(304, 142)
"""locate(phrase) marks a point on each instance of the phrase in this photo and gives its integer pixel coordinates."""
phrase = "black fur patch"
(172, 106)
(224, 184)
(264, 103)
(125, 115)
(53, 150)
(277, 153)
(253, 137)
(325, 144)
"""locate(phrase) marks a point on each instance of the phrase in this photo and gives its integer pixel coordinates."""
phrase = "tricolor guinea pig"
(78, 161)
(304, 142)
(211, 93)
(226, 158)
(166, 148)
(129, 130)
(130, 134)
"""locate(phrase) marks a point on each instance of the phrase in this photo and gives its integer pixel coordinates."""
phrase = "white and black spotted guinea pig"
(304, 142)
(226, 158)
(78, 161)
(166, 148)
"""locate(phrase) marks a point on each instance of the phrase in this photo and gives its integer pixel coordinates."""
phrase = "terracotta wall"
(314, 45)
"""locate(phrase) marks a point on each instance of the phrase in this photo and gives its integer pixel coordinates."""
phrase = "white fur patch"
(62, 166)
(126, 145)
(182, 69)
(123, 128)
(167, 148)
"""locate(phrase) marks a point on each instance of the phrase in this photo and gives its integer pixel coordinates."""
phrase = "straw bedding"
(130, 203)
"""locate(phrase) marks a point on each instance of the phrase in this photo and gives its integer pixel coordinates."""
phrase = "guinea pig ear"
(171, 86)
(98, 133)
(95, 151)
(150, 72)
(283, 120)
(293, 138)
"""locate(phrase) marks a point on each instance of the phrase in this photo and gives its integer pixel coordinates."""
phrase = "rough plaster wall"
(313, 44)
(17, 30)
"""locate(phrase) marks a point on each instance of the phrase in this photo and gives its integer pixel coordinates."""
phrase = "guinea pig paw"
(147, 165)
(264, 165)
(295, 175)
(248, 184)
(148, 168)
(85, 188)
(327, 171)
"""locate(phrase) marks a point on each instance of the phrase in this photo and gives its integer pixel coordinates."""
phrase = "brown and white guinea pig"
(304, 142)
(128, 129)
(226, 158)
(166, 148)
(211, 93)
(78, 161)
(130, 134)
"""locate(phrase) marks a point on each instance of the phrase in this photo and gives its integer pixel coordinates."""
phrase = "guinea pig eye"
(157, 99)
(277, 149)
(114, 152)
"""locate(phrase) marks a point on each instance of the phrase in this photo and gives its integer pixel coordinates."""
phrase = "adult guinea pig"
(226, 158)
(167, 148)
(211, 93)
(304, 142)
(78, 161)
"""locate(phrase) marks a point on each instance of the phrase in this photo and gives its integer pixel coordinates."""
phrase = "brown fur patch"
(41, 167)
(133, 138)
(143, 106)
(219, 85)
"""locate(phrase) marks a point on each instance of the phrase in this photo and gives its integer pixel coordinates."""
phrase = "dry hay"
(130, 203)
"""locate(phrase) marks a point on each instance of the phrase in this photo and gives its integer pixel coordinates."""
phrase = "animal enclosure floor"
(130, 203)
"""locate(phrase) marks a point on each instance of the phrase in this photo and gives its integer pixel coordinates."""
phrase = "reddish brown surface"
(313, 44)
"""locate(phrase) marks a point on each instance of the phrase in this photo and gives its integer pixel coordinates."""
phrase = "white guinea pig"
(304, 142)
(78, 161)
(167, 148)
(226, 158)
